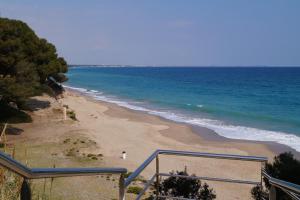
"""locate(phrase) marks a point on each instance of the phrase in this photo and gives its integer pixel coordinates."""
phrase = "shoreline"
(226, 126)
(205, 134)
(107, 129)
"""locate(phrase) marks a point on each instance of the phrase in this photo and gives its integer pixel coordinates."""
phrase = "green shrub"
(72, 115)
(94, 158)
(186, 188)
(258, 193)
(134, 189)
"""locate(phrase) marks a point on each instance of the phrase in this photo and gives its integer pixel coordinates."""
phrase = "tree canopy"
(27, 62)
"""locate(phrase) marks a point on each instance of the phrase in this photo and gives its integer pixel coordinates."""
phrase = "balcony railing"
(291, 189)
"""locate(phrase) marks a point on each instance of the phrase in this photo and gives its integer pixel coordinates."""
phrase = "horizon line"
(121, 65)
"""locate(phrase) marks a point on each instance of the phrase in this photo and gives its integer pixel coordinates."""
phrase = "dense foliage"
(27, 63)
(186, 188)
(258, 193)
(284, 167)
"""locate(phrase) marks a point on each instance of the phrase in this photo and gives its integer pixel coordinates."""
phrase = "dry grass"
(10, 185)
(10, 182)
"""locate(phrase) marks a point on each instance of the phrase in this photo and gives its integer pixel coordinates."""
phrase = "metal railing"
(37, 173)
(291, 189)
(157, 175)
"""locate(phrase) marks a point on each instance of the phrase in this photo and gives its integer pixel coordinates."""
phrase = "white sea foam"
(225, 130)
(76, 88)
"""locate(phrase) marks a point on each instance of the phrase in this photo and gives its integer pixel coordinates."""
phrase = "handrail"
(13, 165)
(214, 155)
(137, 172)
(147, 185)
(34, 173)
(282, 184)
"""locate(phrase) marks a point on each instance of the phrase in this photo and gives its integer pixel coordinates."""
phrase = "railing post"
(157, 176)
(263, 167)
(122, 187)
(25, 191)
(272, 193)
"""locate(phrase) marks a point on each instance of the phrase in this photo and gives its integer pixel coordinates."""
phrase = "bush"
(72, 115)
(258, 193)
(186, 188)
(134, 189)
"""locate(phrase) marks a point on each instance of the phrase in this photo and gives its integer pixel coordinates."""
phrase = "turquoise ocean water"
(252, 103)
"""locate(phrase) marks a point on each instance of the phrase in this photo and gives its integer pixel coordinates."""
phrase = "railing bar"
(34, 173)
(146, 187)
(13, 165)
(265, 174)
(67, 172)
(282, 184)
(283, 187)
(212, 179)
(214, 155)
(188, 153)
(291, 194)
(277, 184)
(140, 168)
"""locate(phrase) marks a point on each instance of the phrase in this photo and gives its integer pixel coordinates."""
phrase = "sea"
(249, 103)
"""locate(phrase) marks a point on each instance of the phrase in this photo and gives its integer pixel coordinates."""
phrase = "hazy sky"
(166, 32)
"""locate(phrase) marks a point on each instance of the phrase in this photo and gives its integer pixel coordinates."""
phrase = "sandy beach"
(108, 129)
